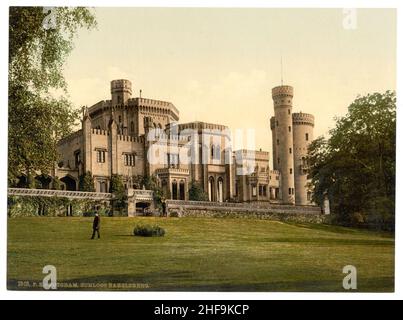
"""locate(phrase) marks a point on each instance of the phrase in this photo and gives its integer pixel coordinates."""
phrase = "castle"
(134, 136)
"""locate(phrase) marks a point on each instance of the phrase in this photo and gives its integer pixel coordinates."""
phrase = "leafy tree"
(151, 183)
(196, 192)
(37, 120)
(118, 189)
(356, 165)
(86, 182)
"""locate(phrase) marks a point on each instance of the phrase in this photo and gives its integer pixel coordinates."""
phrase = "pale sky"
(219, 65)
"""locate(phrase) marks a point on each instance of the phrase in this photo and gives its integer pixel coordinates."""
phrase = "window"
(290, 170)
(289, 150)
(306, 136)
(278, 141)
(276, 123)
(215, 152)
(119, 99)
(173, 160)
(289, 128)
(290, 191)
(262, 190)
(100, 156)
(120, 119)
(278, 160)
(289, 111)
(254, 191)
(129, 159)
(77, 159)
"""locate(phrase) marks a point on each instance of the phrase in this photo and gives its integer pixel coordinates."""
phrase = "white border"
(58, 295)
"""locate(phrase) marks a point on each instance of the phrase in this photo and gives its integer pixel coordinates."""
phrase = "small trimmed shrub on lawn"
(148, 231)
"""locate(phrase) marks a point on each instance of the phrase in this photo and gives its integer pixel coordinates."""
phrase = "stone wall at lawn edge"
(311, 214)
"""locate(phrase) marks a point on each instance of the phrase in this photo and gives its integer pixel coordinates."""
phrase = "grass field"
(198, 254)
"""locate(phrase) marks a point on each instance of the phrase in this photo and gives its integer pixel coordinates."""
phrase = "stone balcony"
(172, 171)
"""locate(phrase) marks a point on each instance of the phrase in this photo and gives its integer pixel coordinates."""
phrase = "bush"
(197, 193)
(148, 231)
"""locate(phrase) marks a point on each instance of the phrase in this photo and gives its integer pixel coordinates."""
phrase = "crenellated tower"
(303, 124)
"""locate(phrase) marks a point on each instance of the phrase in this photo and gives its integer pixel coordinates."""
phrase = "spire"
(281, 63)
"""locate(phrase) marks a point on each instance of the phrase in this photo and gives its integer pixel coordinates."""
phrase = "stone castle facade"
(133, 136)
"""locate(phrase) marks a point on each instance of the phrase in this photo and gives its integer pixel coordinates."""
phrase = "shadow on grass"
(341, 229)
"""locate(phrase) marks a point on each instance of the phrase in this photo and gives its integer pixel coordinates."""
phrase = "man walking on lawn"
(96, 225)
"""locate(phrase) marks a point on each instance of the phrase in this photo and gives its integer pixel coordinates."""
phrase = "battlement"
(120, 85)
(99, 132)
(131, 138)
(199, 125)
(303, 119)
(282, 91)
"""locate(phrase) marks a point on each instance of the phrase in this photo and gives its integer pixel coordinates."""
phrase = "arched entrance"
(43, 181)
(174, 190)
(182, 190)
(69, 182)
(142, 207)
(211, 189)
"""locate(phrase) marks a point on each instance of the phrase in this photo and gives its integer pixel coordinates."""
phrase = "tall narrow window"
(289, 128)
(100, 156)
(306, 136)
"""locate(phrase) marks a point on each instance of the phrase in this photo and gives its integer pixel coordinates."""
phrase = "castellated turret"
(303, 124)
(282, 99)
(121, 91)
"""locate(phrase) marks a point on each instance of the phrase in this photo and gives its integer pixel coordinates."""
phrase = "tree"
(86, 182)
(356, 165)
(117, 188)
(151, 183)
(196, 192)
(37, 51)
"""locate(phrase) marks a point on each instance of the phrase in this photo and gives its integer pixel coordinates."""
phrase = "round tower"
(121, 91)
(282, 99)
(303, 124)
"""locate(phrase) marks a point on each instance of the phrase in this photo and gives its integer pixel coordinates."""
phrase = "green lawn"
(199, 254)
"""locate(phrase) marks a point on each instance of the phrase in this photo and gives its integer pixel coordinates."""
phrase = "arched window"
(174, 190)
(211, 189)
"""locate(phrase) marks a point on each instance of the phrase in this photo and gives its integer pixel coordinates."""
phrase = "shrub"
(197, 193)
(148, 231)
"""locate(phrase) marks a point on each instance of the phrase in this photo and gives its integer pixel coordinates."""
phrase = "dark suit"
(96, 225)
